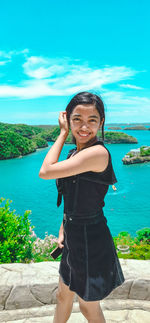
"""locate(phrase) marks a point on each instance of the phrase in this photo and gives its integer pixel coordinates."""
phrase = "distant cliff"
(115, 128)
(136, 128)
(117, 137)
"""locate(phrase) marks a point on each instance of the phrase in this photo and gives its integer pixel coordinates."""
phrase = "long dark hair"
(86, 98)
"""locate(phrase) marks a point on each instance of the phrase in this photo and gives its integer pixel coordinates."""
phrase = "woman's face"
(84, 123)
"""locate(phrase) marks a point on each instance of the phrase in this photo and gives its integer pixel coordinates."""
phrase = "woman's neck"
(88, 144)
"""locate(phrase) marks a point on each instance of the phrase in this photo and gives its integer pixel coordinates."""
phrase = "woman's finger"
(60, 240)
(60, 245)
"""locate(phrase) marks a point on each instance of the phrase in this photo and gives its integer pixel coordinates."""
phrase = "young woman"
(89, 265)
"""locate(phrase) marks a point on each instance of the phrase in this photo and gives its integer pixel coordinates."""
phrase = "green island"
(19, 243)
(114, 128)
(17, 140)
(140, 127)
(139, 155)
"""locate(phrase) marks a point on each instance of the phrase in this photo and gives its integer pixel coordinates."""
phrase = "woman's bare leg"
(64, 303)
(92, 311)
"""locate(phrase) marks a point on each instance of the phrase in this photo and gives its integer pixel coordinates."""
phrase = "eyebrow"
(79, 115)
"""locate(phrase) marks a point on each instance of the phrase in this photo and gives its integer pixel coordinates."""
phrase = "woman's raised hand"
(63, 122)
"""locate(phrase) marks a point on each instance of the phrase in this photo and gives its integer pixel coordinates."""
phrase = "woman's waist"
(84, 219)
(84, 209)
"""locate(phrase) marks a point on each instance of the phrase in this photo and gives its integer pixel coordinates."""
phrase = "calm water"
(127, 209)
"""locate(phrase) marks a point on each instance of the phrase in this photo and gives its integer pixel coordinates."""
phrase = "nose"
(84, 126)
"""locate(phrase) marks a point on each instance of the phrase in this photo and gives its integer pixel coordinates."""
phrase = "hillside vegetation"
(20, 139)
(118, 137)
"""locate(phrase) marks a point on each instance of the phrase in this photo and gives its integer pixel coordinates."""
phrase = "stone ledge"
(114, 311)
(48, 270)
(34, 285)
(135, 316)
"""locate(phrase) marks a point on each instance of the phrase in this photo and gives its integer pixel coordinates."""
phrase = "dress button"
(70, 218)
(74, 181)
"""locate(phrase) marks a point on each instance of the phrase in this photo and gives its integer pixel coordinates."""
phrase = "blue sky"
(51, 50)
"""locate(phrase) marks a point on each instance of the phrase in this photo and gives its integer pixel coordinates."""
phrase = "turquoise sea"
(127, 209)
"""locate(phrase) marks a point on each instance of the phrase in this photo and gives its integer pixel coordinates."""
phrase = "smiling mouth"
(83, 134)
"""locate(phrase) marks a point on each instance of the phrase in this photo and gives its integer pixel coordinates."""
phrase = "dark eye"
(93, 120)
(76, 119)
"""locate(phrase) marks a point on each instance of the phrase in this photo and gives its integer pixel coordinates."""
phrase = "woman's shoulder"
(101, 143)
(104, 177)
(98, 142)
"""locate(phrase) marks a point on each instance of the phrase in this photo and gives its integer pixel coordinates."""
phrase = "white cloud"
(72, 73)
(40, 68)
(63, 77)
(10, 53)
(4, 62)
(131, 86)
(7, 56)
(122, 104)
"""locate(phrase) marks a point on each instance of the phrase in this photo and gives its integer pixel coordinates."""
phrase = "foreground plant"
(139, 246)
(42, 248)
(19, 243)
(15, 235)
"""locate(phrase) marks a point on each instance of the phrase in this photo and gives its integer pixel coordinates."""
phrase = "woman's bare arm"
(61, 227)
(94, 158)
(54, 153)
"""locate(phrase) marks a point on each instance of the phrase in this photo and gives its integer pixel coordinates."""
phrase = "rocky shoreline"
(139, 155)
(135, 160)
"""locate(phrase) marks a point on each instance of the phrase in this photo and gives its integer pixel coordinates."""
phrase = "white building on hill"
(135, 151)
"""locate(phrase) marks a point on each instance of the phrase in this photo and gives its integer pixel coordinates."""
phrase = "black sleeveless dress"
(89, 264)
